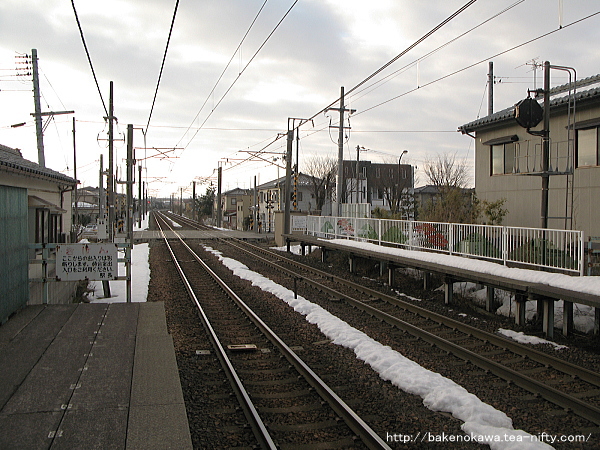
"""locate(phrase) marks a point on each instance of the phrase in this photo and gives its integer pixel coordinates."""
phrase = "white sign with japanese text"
(96, 262)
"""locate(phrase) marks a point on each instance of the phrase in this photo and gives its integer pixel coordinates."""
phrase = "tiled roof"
(11, 158)
(587, 89)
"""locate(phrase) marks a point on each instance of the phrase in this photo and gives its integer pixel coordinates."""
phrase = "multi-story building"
(508, 161)
(385, 186)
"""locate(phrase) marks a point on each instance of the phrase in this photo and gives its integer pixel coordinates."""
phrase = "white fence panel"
(544, 248)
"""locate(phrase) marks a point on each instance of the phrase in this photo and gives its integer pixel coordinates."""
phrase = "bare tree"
(395, 181)
(445, 172)
(322, 171)
(453, 201)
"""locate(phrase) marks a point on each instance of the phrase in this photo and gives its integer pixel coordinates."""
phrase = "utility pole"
(38, 109)
(110, 186)
(288, 181)
(130, 164)
(75, 227)
(39, 128)
(194, 215)
(255, 209)
(340, 173)
(219, 209)
(102, 219)
(140, 203)
(490, 88)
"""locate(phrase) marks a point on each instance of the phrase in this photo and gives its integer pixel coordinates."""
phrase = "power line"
(427, 55)
(482, 61)
(163, 64)
(242, 71)
(88, 56)
(223, 72)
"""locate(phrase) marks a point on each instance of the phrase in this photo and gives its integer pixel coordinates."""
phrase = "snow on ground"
(583, 316)
(140, 276)
(588, 285)
(525, 339)
(295, 249)
(482, 422)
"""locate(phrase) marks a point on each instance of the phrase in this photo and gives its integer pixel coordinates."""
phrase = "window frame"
(577, 146)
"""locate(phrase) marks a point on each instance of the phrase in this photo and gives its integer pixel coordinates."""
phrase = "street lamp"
(399, 178)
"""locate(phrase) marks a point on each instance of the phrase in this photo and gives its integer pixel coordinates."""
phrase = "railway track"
(570, 387)
(262, 370)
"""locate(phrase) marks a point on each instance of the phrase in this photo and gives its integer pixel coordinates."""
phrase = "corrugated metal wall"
(14, 264)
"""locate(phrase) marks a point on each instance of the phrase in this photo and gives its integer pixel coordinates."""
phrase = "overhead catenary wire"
(444, 76)
(88, 56)
(162, 64)
(386, 65)
(541, 36)
(242, 71)
(223, 72)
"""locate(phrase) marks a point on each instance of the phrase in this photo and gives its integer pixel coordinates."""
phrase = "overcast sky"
(320, 46)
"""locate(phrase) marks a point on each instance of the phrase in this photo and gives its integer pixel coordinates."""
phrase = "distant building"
(35, 207)
(508, 161)
(235, 206)
(271, 198)
(375, 184)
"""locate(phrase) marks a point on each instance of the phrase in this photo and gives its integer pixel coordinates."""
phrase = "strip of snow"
(588, 285)
(295, 249)
(481, 421)
(523, 338)
(140, 277)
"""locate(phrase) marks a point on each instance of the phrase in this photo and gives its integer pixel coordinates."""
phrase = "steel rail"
(355, 423)
(519, 349)
(573, 370)
(579, 407)
(258, 427)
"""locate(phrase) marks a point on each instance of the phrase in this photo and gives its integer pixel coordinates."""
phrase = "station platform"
(90, 375)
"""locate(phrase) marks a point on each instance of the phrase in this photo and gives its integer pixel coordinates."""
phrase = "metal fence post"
(504, 244)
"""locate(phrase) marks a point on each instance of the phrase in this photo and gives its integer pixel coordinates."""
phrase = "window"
(299, 196)
(234, 201)
(378, 172)
(41, 226)
(587, 147)
(503, 158)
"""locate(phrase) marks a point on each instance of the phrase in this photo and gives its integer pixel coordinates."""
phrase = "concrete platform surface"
(93, 376)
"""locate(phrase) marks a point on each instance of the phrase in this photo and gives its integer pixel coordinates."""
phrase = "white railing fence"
(544, 248)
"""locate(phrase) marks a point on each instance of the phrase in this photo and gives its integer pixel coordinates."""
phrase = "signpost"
(97, 262)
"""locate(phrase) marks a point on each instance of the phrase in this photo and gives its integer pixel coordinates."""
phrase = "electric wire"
(480, 62)
(242, 72)
(392, 75)
(382, 68)
(88, 56)
(447, 75)
(163, 64)
(223, 72)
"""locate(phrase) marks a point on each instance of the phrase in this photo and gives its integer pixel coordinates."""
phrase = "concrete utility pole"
(490, 88)
(39, 128)
(219, 209)
(288, 181)
(194, 215)
(76, 221)
(140, 203)
(255, 207)
(340, 173)
(38, 108)
(110, 186)
(130, 181)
